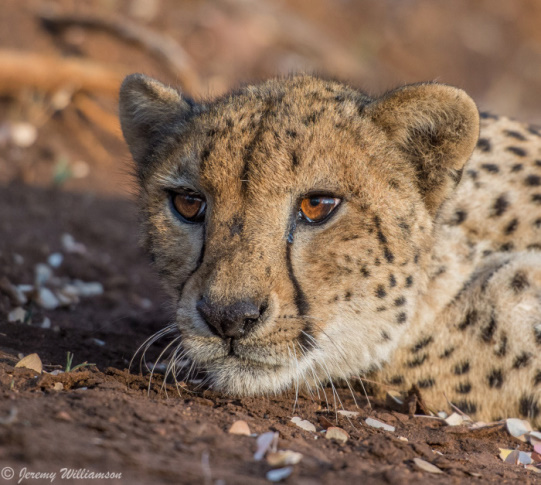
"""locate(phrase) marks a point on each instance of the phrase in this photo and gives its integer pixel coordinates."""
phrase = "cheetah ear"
(436, 128)
(149, 111)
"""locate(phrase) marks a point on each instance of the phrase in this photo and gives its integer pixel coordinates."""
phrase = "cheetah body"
(428, 273)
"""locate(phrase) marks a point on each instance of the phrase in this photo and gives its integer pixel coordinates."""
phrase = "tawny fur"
(429, 272)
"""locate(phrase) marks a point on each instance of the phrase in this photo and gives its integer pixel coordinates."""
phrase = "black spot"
(459, 217)
(426, 383)
(517, 151)
(385, 336)
(364, 271)
(535, 247)
(517, 167)
(463, 388)
(447, 353)
(416, 258)
(507, 247)
(469, 320)
(347, 297)
(484, 144)
(537, 223)
(409, 281)
(467, 407)
(236, 225)
(534, 130)
(515, 134)
(401, 300)
(295, 159)
(537, 163)
(488, 116)
(422, 344)
(392, 281)
(500, 205)
(389, 256)
(522, 360)
(537, 378)
(462, 368)
(396, 380)
(487, 333)
(495, 378)
(528, 406)
(381, 308)
(401, 317)
(519, 282)
(473, 174)
(205, 153)
(490, 167)
(537, 333)
(377, 262)
(536, 198)
(380, 291)
(268, 271)
(417, 361)
(511, 227)
(533, 180)
(291, 134)
(501, 351)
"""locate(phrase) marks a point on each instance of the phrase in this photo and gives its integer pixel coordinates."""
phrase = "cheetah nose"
(230, 321)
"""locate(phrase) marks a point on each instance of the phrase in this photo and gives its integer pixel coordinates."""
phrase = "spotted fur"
(428, 273)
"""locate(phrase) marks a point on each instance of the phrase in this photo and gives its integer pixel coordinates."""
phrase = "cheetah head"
(291, 221)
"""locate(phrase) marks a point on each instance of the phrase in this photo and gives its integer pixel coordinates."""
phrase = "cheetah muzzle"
(307, 232)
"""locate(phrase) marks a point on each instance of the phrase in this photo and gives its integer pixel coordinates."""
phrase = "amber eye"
(190, 206)
(318, 207)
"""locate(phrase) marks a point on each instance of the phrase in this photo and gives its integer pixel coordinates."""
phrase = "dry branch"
(20, 70)
(175, 57)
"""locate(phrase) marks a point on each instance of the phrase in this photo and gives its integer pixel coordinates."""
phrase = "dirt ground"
(69, 192)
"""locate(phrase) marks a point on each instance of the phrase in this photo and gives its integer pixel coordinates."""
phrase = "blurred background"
(61, 62)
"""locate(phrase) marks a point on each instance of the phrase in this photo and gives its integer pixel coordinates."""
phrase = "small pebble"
(279, 474)
(379, 424)
(303, 424)
(17, 315)
(240, 427)
(47, 299)
(55, 260)
(337, 434)
(284, 458)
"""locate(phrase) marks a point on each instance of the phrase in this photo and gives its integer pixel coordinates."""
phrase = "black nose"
(230, 321)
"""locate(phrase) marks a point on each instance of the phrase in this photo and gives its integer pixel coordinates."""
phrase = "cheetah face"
(291, 222)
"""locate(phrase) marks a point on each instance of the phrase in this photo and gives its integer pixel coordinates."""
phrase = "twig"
(21, 70)
(161, 45)
(97, 115)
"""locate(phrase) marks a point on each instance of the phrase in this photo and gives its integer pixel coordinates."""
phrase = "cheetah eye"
(317, 208)
(190, 206)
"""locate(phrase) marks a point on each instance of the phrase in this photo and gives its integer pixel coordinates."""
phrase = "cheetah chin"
(307, 232)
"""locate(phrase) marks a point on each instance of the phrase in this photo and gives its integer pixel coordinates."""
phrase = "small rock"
(80, 169)
(518, 428)
(63, 416)
(303, 424)
(32, 362)
(17, 315)
(425, 466)
(240, 427)
(71, 246)
(348, 414)
(264, 442)
(58, 386)
(43, 273)
(279, 474)
(88, 289)
(98, 342)
(378, 424)
(55, 260)
(454, 419)
(47, 299)
(46, 323)
(23, 134)
(284, 458)
(337, 434)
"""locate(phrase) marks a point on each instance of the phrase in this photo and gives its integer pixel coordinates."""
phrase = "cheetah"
(307, 232)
